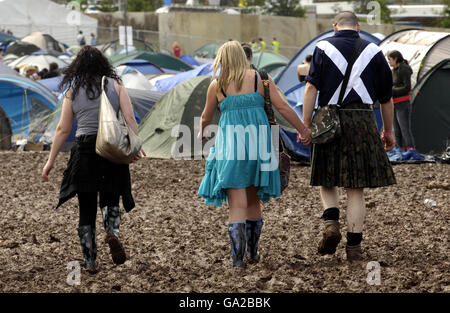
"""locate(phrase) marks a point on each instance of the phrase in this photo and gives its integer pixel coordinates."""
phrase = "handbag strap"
(348, 71)
(268, 104)
(103, 83)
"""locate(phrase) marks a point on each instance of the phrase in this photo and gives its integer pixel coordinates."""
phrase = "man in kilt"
(357, 158)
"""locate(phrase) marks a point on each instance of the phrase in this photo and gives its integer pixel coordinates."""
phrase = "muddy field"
(177, 244)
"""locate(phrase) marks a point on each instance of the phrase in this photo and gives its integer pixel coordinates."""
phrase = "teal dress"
(243, 154)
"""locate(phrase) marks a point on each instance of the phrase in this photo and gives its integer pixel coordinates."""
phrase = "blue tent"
(27, 104)
(164, 85)
(189, 60)
(287, 80)
(51, 83)
(144, 66)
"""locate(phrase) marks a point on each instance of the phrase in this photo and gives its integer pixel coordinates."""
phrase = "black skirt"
(88, 172)
(356, 159)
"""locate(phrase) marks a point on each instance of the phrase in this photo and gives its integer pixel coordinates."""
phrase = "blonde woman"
(236, 170)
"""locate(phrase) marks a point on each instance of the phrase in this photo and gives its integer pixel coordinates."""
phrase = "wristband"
(387, 133)
(306, 128)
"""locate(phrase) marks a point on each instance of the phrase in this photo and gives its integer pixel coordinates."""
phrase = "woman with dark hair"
(401, 74)
(88, 173)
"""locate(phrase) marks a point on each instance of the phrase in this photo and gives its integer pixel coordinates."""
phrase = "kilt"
(357, 158)
(88, 172)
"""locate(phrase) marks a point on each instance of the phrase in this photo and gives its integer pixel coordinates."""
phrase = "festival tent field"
(422, 49)
(162, 60)
(430, 117)
(27, 104)
(23, 17)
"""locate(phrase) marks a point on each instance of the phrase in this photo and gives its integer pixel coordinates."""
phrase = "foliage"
(445, 22)
(284, 8)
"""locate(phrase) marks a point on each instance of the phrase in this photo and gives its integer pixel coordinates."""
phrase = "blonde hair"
(233, 64)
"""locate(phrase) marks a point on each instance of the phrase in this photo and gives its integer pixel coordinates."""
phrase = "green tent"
(263, 59)
(162, 60)
(207, 51)
(430, 117)
(180, 106)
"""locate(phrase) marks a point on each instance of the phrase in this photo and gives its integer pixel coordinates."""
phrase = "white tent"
(23, 17)
(422, 49)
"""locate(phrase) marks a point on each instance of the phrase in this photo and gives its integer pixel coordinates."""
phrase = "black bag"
(284, 161)
(325, 125)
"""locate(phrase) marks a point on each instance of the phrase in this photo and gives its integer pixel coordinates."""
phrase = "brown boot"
(331, 238)
(354, 253)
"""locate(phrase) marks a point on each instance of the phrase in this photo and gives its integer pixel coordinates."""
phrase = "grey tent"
(430, 118)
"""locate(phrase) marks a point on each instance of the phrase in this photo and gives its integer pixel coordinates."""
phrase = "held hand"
(46, 170)
(388, 140)
(305, 136)
(202, 138)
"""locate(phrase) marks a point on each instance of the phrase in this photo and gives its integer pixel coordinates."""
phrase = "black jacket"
(401, 76)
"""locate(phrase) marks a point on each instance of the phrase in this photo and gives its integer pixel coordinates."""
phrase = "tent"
(189, 60)
(143, 101)
(430, 117)
(27, 105)
(268, 60)
(162, 60)
(23, 17)
(5, 70)
(144, 66)
(44, 42)
(132, 78)
(21, 48)
(166, 84)
(4, 37)
(422, 49)
(177, 107)
(207, 51)
(152, 79)
(41, 61)
(114, 47)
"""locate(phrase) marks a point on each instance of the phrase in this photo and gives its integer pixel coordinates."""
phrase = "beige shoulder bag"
(116, 141)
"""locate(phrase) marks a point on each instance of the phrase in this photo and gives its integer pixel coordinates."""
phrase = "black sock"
(353, 239)
(331, 214)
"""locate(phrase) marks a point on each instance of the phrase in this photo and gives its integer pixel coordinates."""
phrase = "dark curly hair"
(87, 71)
